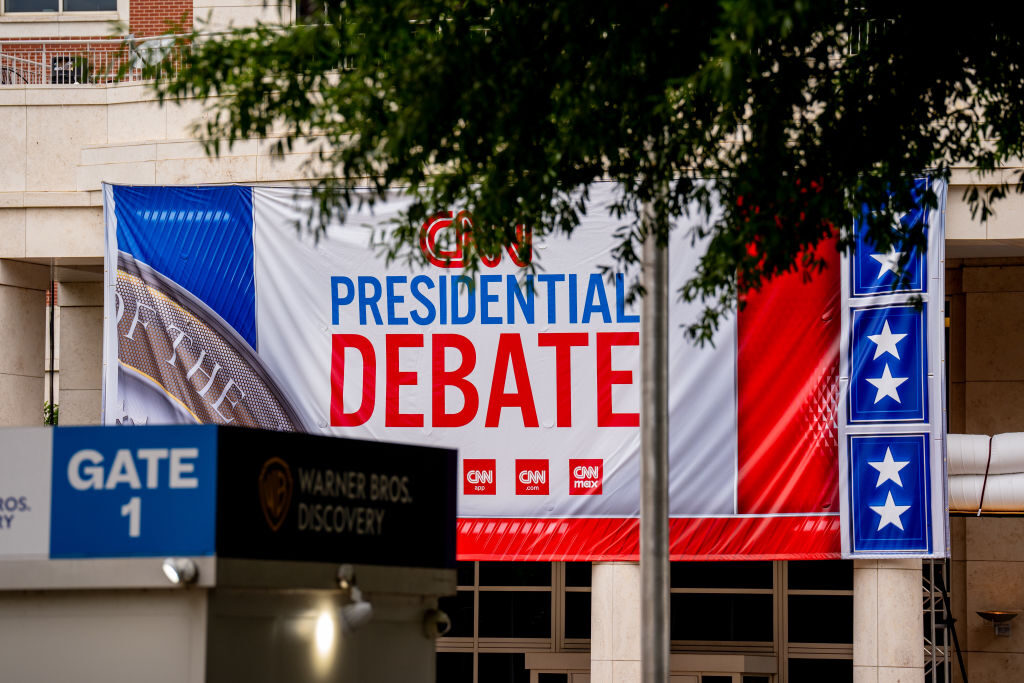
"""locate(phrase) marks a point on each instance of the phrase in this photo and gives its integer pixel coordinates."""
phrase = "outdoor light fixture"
(181, 571)
(358, 611)
(1000, 620)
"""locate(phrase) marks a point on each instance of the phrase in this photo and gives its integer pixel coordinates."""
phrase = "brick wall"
(156, 17)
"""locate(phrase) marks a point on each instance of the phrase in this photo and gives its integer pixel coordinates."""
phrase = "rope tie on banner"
(984, 482)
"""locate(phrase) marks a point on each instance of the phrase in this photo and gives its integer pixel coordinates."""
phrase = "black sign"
(288, 496)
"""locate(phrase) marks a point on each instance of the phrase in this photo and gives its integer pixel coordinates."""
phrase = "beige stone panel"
(184, 115)
(63, 96)
(865, 674)
(130, 92)
(80, 406)
(13, 142)
(1003, 667)
(136, 121)
(24, 275)
(21, 400)
(23, 323)
(865, 613)
(995, 538)
(12, 232)
(217, 170)
(282, 168)
(81, 347)
(994, 407)
(615, 611)
(601, 671)
(222, 18)
(10, 200)
(80, 294)
(138, 173)
(995, 327)
(12, 96)
(190, 149)
(56, 136)
(887, 674)
(1008, 278)
(64, 232)
(46, 200)
(959, 224)
(993, 586)
(1008, 221)
(118, 154)
(626, 672)
(900, 619)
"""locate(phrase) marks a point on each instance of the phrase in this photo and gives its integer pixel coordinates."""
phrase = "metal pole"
(654, 566)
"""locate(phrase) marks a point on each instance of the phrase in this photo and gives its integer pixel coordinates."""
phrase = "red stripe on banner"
(719, 538)
(788, 389)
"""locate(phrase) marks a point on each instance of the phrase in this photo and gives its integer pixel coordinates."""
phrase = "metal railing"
(85, 62)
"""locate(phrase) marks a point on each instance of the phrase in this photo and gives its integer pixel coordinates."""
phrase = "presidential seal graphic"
(275, 491)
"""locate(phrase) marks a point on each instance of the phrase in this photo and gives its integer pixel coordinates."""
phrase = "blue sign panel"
(876, 271)
(133, 491)
(888, 365)
(889, 503)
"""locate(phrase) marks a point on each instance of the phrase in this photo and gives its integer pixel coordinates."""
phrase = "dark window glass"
(503, 668)
(713, 616)
(715, 679)
(552, 678)
(464, 573)
(454, 667)
(509, 614)
(818, 670)
(460, 610)
(821, 575)
(577, 615)
(515, 573)
(821, 618)
(31, 5)
(721, 574)
(95, 6)
(578, 574)
(756, 679)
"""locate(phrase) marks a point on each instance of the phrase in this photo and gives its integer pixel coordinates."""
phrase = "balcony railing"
(84, 62)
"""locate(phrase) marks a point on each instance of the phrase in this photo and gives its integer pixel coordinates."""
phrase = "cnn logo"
(478, 477)
(532, 478)
(585, 477)
(445, 241)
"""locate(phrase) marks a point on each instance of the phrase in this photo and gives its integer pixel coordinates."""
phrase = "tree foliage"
(801, 112)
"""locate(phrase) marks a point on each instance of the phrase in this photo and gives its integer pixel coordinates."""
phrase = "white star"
(886, 385)
(889, 469)
(888, 262)
(889, 513)
(886, 342)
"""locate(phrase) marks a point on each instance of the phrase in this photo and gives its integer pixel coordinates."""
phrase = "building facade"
(64, 130)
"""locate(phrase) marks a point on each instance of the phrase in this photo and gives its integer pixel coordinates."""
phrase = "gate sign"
(104, 492)
(219, 311)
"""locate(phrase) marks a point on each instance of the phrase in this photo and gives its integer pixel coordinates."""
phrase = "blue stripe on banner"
(200, 237)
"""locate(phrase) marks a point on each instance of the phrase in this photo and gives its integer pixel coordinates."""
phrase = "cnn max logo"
(446, 239)
(585, 477)
(532, 478)
(478, 477)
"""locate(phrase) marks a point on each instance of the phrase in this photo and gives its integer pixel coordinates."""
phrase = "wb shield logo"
(275, 491)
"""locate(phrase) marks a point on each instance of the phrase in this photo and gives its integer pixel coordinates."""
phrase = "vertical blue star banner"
(891, 417)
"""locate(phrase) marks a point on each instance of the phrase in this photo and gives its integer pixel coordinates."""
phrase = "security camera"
(356, 615)
(436, 623)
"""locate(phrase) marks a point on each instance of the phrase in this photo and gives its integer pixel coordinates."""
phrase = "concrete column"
(81, 352)
(615, 623)
(888, 622)
(23, 328)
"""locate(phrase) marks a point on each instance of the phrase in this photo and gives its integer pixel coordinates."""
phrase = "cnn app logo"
(585, 477)
(478, 478)
(531, 477)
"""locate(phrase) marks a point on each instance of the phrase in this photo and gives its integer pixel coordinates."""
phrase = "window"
(13, 6)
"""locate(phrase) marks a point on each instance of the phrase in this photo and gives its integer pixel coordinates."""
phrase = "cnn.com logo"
(585, 477)
(532, 478)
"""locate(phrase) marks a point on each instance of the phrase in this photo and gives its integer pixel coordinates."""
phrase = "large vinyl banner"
(219, 310)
